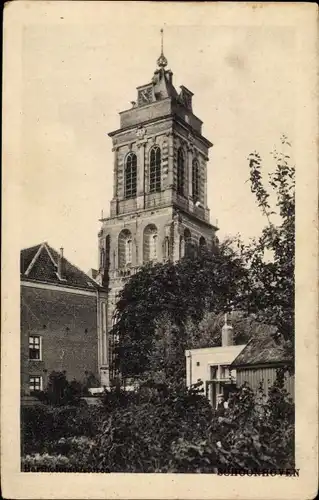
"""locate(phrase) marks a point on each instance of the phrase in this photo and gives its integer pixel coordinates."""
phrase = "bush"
(140, 437)
(42, 426)
(257, 432)
(159, 430)
(61, 392)
(180, 433)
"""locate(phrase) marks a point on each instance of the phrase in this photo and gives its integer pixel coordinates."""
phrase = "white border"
(302, 17)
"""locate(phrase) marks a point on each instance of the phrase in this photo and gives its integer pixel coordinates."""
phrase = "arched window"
(166, 247)
(153, 247)
(181, 247)
(130, 175)
(202, 244)
(150, 241)
(195, 180)
(180, 171)
(188, 243)
(107, 252)
(102, 258)
(125, 248)
(155, 170)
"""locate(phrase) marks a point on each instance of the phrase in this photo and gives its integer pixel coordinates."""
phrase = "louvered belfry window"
(180, 172)
(195, 180)
(150, 241)
(130, 175)
(125, 252)
(155, 170)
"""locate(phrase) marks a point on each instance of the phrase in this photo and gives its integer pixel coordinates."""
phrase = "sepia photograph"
(155, 173)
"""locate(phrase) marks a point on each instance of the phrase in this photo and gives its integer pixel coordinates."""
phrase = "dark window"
(35, 383)
(150, 243)
(188, 252)
(125, 248)
(195, 180)
(34, 347)
(166, 248)
(202, 244)
(213, 372)
(102, 258)
(155, 170)
(180, 171)
(181, 247)
(130, 175)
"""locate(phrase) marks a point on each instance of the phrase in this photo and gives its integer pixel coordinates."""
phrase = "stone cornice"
(61, 288)
(174, 118)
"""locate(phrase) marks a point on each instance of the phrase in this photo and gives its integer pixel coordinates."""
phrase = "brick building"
(63, 319)
(159, 206)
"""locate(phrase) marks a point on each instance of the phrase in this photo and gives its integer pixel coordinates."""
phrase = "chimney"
(61, 263)
(227, 333)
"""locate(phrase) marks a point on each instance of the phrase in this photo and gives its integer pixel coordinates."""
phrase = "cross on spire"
(162, 61)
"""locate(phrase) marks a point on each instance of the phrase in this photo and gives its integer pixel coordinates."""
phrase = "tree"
(208, 332)
(272, 286)
(60, 391)
(181, 292)
(177, 299)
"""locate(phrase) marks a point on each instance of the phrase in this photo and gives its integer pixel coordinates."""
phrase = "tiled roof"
(26, 257)
(39, 263)
(262, 349)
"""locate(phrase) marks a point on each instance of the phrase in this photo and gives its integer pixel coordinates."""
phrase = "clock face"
(145, 96)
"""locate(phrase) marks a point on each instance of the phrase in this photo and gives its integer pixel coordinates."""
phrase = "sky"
(80, 71)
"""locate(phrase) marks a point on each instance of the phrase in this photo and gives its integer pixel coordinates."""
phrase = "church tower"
(159, 207)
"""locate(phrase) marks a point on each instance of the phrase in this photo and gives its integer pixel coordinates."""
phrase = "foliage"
(179, 293)
(90, 381)
(161, 426)
(271, 294)
(207, 333)
(68, 455)
(141, 437)
(163, 431)
(60, 391)
(162, 308)
(257, 432)
(167, 362)
(43, 425)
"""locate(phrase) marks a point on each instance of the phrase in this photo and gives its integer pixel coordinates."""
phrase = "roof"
(262, 349)
(40, 263)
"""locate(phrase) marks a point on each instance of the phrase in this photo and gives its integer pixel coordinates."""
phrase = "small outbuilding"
(259, 361)
(211, 365)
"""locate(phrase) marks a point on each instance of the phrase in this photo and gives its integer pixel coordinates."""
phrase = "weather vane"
(162, 61)
(162, 41)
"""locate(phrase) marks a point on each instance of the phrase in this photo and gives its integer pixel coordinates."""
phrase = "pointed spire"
(162, 61)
